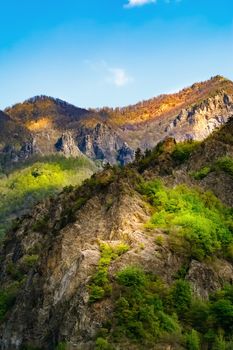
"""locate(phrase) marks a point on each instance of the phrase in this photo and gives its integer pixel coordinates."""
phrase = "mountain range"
(43, 125)
(120, 224)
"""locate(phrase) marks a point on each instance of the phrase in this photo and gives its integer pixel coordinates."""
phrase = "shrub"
(131, 277)
(96, 293)
(149, 312)
(198, 314)
(7, 298)
(193, 341)
(61, 346)
(41, 224)
(225, 164)
(220, 344)
(202, 173)
(100, 285)
(30, 260)
(181, 296)
(222, 311)
(139, 313)
(159, 240)
(102, 344)
(183, 150)
(14, 272)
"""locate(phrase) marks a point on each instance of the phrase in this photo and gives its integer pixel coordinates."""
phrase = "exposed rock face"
(103, 143)
(125, 154)
(199, 121)
(206, 279)
(66, 145)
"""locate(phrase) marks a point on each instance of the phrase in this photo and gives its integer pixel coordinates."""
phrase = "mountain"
(113, 135)
(138, 257)
(44, 122)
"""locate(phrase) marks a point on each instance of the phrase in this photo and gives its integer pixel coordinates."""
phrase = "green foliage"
(147, 312)
(220, 344)
(14, 272)
(183, 150)
(24, 187)
(202, 173)
(30, 260)
(102, 344)
(193, 341)
(61, 346)
(198, 314)
(222, 312)
(139, 313)
(7, 298)
(40, 225)
(131, 277)
(150, 157)
(224, 164)
(197, 222)
(181, 297)
(97, 292)
(100, 285)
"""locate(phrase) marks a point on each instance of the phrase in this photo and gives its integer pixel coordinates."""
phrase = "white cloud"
(134, 3)
(118, 77)
(137, 3)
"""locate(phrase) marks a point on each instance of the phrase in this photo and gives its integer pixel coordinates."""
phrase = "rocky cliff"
(103, 266)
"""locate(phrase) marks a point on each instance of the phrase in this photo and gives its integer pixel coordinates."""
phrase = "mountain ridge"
(113, 135)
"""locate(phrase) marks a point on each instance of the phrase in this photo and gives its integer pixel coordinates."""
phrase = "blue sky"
(97, 53)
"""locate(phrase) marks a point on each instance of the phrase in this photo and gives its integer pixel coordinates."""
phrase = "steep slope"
(129, 260)
(113, 135)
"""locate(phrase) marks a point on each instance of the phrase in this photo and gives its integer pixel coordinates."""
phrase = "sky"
(95, 53)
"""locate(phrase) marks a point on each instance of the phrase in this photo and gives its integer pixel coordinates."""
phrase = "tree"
(193, 341)
(138, 155)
